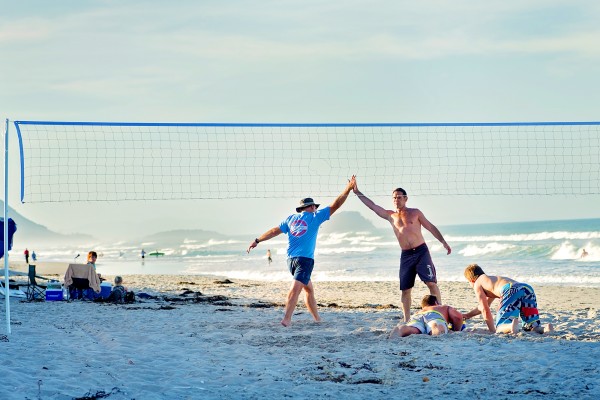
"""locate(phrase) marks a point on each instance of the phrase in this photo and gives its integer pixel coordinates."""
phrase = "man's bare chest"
(405, 220)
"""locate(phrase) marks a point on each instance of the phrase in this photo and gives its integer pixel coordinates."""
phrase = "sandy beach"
(209, 337)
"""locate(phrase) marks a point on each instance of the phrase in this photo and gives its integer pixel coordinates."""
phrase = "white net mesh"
(71, 162)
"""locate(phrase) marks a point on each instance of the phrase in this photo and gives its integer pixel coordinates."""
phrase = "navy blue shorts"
(301, 268)
(416, 261)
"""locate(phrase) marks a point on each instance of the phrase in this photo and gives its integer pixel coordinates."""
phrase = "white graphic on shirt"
(298, 228)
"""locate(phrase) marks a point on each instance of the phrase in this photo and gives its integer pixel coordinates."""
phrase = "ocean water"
(540, 252)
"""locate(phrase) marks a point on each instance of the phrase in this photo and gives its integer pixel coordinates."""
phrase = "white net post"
(5, 234)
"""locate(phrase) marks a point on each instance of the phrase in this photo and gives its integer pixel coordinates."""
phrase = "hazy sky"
(297, 61)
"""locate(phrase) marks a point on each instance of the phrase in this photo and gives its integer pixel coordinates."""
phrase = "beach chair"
(34, 290)
(82, 282)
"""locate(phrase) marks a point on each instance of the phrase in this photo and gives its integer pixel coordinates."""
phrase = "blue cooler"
(54, 294)
(54, 291)
(105, 289)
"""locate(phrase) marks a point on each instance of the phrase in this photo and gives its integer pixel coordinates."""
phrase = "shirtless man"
(432, 320)
(516, 299)
(415, 259)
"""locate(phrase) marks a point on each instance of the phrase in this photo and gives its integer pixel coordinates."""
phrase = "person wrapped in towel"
(517, 300)
(433, 319)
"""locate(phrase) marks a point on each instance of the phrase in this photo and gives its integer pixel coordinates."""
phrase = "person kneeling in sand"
(516, 299)
(432, 320)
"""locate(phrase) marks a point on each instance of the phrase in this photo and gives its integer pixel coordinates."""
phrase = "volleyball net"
(89, 161)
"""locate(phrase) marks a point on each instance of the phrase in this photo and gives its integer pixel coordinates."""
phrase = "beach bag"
(129, 297)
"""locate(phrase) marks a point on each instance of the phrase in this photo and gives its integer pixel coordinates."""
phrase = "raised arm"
(434, 231)
(271, 233)
(382, 212)
(337, 203)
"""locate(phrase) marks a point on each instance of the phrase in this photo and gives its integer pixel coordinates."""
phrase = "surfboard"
(156, 253)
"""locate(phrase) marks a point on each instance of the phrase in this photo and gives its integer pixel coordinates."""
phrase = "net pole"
(5, 233)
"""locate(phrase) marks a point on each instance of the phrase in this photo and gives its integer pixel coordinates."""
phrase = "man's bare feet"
(514, 326)
(548, 328)
(394, 333)
(286, 323)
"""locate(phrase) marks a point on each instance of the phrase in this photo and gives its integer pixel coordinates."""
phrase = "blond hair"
(472, 272)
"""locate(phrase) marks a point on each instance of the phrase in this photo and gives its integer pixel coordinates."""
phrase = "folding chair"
(82, 281)
(35, 291)
(78, 288)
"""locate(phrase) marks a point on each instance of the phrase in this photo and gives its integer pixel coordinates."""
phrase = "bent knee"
(308, 287)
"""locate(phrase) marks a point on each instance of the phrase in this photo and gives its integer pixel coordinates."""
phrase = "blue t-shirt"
(302, 230)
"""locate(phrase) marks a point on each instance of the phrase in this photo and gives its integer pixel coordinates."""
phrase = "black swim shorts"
(416, 261)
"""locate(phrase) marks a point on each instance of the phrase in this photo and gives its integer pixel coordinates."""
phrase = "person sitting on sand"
(302, 229)
(433, 319)
(119, 293)
(516, 299)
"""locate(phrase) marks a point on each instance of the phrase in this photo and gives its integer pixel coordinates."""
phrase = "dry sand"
(227, 343)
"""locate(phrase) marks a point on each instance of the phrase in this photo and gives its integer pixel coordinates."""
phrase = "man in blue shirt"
(302, 229)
